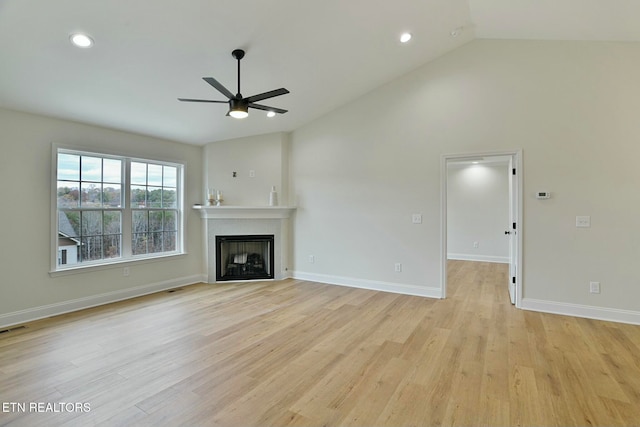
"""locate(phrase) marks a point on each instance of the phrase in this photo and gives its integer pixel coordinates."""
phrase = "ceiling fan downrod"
(238, 54)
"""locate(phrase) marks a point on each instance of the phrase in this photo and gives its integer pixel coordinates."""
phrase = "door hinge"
(513, 171)
(514, 225)
(513, 280)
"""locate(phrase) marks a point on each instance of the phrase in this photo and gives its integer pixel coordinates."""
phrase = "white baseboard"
(36, 313)
(374, 285)
(481, 258)
(586, 311)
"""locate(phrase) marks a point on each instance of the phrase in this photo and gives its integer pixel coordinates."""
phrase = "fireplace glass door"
(244, 257)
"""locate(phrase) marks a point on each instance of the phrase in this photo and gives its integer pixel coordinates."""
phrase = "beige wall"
(26, 288)
(362, 170)
(265, 155)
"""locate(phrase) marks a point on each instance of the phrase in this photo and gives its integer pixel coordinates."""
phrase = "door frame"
(515, 199)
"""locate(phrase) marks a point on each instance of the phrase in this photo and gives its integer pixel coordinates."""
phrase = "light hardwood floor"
(295, 353)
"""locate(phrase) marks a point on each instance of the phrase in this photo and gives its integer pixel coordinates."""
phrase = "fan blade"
(270, 94)
(202, 100)
(223, 90)
(265, 108)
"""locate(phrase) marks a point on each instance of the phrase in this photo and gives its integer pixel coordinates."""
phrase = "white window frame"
(126, 230)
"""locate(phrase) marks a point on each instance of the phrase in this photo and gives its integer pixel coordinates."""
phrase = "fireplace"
(244, 257)
(225, 221)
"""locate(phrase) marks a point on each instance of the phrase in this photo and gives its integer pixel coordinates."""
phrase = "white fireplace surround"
(248, 220)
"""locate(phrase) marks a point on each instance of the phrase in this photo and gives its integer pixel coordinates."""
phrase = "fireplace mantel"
(244, 212)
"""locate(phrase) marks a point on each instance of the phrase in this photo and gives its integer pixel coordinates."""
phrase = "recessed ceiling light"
(405, 37)
(81, 40)
(271, 114)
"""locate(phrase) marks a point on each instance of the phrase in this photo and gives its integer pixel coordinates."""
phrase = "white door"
(513, 229)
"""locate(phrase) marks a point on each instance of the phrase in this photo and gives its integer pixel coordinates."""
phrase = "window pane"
(140, 222)
(112, 196)
(170, 176)
(170, 221)
(155, 221)
(68, 194)
(69, 224)
(91, 195)
(91, 169)
(170, 241)
(139, 244)
(91, 248)
(112, 171)
(91, 223)
(154, 176)
(112, 222)
(111, 245)
(169, 198)
(69, 167)
(138, 196)
(138, 173)
(155, 243)
(155, 197)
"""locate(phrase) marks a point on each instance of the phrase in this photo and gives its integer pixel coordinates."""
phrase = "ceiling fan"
(239, 106)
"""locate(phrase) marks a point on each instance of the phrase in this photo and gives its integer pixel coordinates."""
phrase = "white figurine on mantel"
(273, 197)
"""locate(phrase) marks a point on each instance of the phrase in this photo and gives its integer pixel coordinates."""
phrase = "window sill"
(113, 264)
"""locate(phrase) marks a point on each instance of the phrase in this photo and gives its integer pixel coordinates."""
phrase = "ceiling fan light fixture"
(239, 109)
(239, 114)
(271, 114)
(405, 37)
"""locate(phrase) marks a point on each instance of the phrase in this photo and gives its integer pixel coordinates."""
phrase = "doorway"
(489, 241)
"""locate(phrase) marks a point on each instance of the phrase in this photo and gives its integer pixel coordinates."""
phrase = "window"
(154, 207)
(112, 209)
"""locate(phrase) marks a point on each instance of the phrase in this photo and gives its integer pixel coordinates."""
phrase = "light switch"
(583, 221)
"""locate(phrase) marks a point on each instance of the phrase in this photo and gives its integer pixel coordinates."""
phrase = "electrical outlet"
(252, 174)
(125, 271)
(416, 218)
(312, 259)
(398, 267)
(594, 287)
(476, 245)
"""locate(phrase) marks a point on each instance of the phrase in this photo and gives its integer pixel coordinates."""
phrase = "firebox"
(244, 257)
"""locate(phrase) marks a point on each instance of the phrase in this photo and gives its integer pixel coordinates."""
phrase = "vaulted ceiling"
(147, 53)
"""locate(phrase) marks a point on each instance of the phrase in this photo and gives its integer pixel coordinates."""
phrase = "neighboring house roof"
(66, 231)
(65, 241)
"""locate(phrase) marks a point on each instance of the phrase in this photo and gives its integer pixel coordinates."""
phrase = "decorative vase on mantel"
(273, 197)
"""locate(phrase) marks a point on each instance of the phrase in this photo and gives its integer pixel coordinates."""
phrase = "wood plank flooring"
(295, 353)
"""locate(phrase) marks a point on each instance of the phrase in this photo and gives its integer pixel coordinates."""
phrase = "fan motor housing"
(238, 104)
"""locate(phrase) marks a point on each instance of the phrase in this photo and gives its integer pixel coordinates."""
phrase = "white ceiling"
(327, 53)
